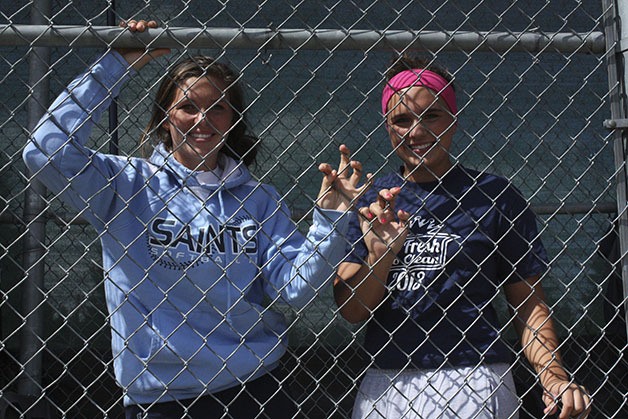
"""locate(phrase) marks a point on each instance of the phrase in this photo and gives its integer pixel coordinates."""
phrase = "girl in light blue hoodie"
(193, 246)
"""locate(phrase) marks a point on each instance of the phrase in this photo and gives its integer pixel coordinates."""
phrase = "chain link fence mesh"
(532, 113)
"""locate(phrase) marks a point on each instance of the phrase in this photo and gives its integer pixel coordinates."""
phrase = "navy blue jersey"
(469, 234)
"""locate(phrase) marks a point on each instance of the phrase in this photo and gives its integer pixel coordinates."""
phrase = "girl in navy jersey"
(433, 249)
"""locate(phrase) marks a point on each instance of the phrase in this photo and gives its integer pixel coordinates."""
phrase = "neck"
(423, 174)
(201, 165)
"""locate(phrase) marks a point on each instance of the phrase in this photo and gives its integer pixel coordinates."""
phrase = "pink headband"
(420, 77)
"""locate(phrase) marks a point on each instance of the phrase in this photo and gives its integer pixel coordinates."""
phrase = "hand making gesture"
(384, 229)
(339, 190)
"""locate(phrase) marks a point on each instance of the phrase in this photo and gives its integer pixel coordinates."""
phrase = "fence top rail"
(328, 39)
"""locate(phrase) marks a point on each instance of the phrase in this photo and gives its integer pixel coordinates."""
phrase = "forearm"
(56, 153)
(535, 328)
(540, 344)
(60, 136)
(312, 262)
(359, 290)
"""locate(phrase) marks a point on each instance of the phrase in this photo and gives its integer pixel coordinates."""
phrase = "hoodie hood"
(229, 174)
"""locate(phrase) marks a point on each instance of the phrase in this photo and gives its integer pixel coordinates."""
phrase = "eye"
(218, 106)
(401, 120)
(187, 107)
(431, 116)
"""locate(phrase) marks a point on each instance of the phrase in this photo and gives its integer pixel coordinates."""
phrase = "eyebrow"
(407, 110)
(189, 98)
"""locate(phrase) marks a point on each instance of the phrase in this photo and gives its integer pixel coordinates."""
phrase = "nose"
(417, 129)
(201, 118)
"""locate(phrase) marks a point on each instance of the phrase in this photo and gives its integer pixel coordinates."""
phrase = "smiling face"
(421, 128)
(199, 119)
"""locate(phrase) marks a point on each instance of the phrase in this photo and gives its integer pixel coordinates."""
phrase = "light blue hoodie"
(188, 265)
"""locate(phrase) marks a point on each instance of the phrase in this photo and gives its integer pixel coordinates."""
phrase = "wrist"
(552, 376)
(381, 259)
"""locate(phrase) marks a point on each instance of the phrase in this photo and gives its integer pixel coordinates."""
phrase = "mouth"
(200, 137)
(421, 148)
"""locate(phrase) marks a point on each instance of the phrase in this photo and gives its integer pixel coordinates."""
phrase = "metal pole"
(113, 108)
(616, 37)
(327, 39)
(31, 354)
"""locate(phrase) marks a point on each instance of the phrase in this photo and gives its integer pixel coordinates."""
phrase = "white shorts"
(485, 391)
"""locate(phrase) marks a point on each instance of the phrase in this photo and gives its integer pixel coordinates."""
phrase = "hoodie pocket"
(253, 323)
(210, 338)
(182, 338)
(207, 349)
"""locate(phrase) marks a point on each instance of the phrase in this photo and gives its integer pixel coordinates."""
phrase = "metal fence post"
(616, 37)
(113, 108)
(34, 217)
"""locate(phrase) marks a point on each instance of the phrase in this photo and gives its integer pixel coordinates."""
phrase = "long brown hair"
(240, 144)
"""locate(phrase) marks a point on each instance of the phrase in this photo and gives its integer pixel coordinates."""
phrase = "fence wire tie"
(616, 124)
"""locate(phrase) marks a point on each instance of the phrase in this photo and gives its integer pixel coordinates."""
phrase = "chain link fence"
(535, 81)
